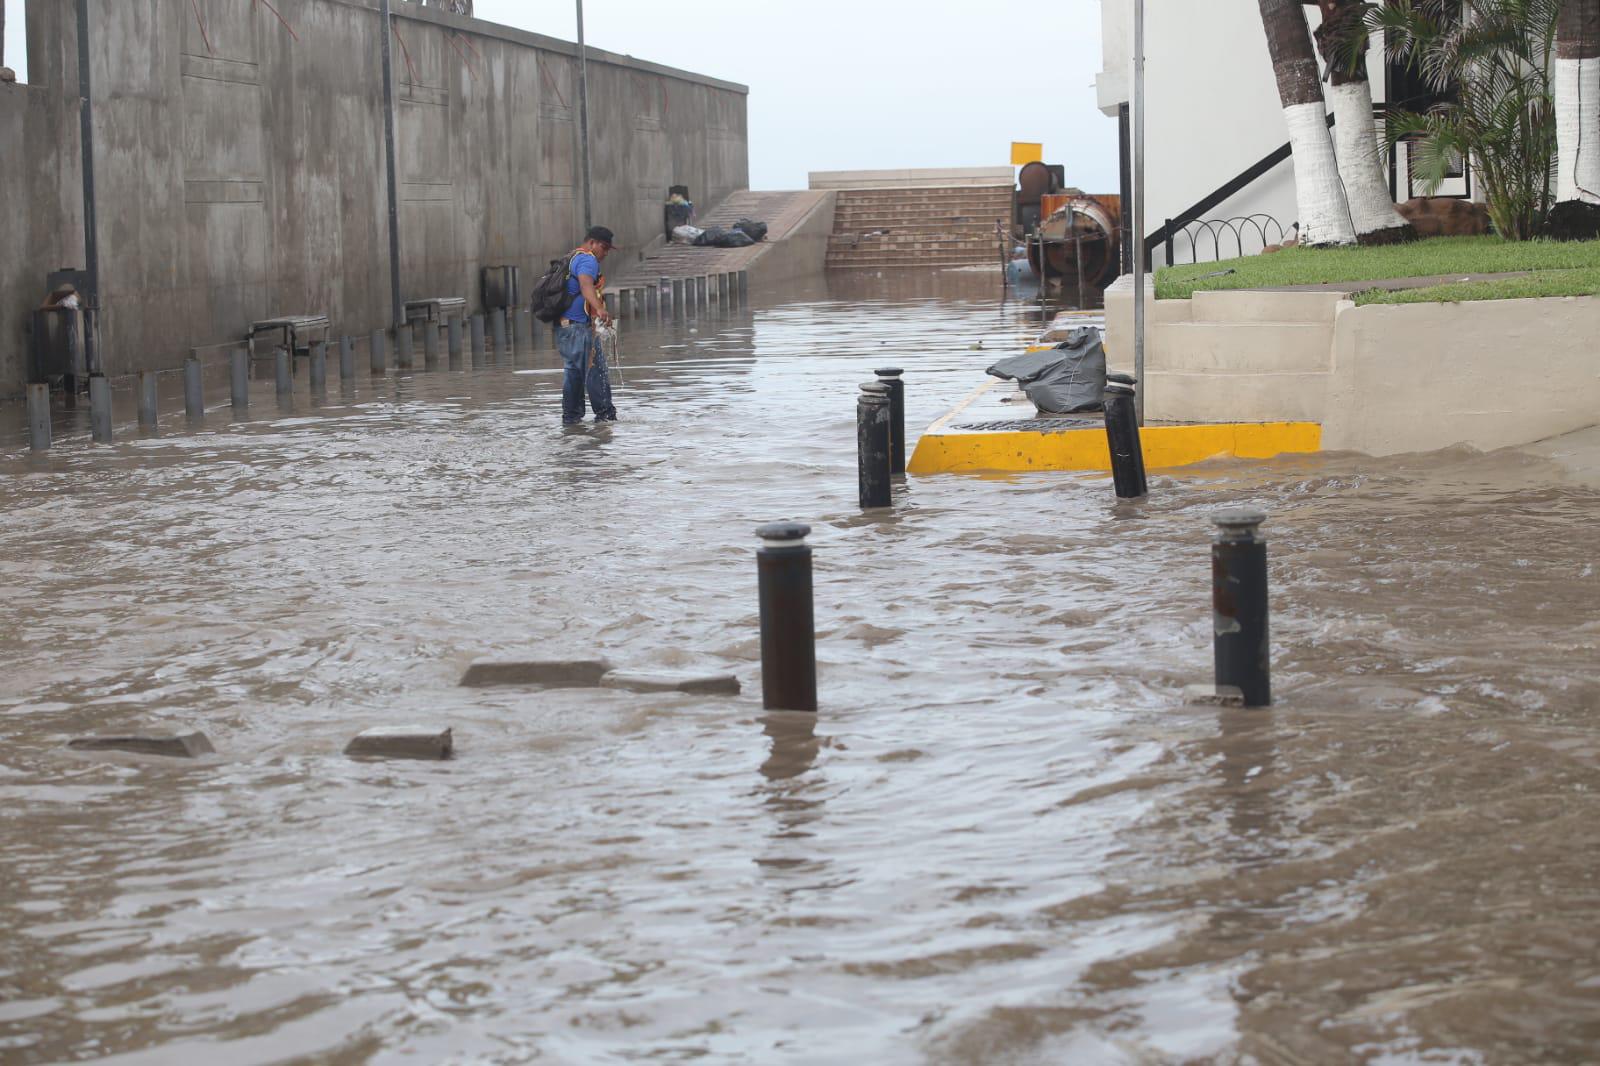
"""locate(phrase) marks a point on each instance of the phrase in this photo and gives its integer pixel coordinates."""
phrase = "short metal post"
(1239, 605)
(100, 408)
(453, 340)
(664, 295)
(377, 354)
(788, 630)
(149, 401)
(497, 322)
(478, 349)
(347, 359)
(744, 288)
(677, 297)
(519, 331)
(430, 344)
(872, 444)
(285, 372)
(239, 378)
(1122, 438)
(319, 366)
(194, 389)
(702, 288)
(652, 301)
(405, 340)
(39, 416)
(636, 302)
(890, 376)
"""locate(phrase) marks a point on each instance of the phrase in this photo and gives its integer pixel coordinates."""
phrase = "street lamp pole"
(1138, 207)
(583, 120)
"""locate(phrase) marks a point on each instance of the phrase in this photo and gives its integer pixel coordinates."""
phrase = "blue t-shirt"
(582, 264)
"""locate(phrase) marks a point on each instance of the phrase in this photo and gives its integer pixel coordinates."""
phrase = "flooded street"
(1002, 839)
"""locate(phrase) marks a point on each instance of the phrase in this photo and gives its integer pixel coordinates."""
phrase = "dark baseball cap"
(601, 234)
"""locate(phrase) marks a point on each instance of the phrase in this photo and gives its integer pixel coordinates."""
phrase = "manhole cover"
(1034, 425)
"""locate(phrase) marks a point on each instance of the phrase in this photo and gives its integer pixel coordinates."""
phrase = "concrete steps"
(924, 226)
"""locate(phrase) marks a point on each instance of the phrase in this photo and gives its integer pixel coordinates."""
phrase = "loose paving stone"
(671, 681)
(1212, 696)
(402, 742)
(545, 673)
(184, 746)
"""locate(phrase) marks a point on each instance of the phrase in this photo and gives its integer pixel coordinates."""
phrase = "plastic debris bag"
(1069, 377)
(756, 231)
(687, 234)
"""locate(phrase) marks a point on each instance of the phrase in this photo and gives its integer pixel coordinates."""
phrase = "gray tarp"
(1068, 377)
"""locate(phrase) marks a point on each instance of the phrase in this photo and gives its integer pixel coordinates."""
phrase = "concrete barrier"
(543, 673)
(179, 746)
(402, 742)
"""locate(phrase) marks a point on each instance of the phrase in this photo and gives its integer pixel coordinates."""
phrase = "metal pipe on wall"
(91, 239)
(1138, 206)
(583, 120)
(392, 162)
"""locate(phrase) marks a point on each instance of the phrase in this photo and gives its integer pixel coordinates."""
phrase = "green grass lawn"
(1563, 269)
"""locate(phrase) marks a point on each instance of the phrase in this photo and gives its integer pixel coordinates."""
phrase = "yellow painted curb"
(943, 452)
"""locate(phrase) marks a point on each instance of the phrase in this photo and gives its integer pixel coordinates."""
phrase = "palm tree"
(1493, 59)
(1342, 39)
(1324, 213)
(1577, 92)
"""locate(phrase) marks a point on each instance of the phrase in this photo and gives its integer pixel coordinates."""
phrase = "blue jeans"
(579, 345)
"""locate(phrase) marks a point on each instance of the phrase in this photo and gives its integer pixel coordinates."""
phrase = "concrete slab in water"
(544, 673)
(402, 742)
(184, 746)
(671, 681)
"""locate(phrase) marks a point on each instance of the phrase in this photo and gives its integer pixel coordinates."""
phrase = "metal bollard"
(788, 631)
(652, 301)
(149, 401)
(1239, 605)
(405, 340)
(636, 303)
(677, 297)
(890, 376)
(194, 389)
(39, 416)
(497, 323)
(519, 332)
(376, 354)
(319, 367)
(452, 333)
(347, 359)
(478, 350)
(744, 288)
(1122, 438)
(285, 373)
(100, 408)
(702, 289)
(239, 378)
(430, 344)
(872, 444)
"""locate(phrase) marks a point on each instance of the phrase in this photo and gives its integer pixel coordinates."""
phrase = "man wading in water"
(585, 363)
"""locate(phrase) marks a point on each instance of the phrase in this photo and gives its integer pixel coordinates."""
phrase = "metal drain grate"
(1035, 425)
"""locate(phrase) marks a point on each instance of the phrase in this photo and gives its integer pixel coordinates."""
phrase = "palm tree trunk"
(1324, 214)
(1342, 40)
(1577, 93)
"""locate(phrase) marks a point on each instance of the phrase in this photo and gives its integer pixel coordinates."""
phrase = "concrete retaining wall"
(241, 170)
(1381, 379)
(930, 177)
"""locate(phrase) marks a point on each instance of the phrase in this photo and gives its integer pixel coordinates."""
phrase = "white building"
(1212, 112)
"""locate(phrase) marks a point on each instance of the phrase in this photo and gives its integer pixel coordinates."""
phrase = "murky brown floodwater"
(1001, 841)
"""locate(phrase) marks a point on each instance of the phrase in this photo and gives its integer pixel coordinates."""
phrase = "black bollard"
(239, 378)
(149, 401)
(347, 359)
(39, 416)
(478, 344)
(788, 633)
(430, 344)
(405, 340)
(890, 376)
(100, 408)
(744, 288)
(285, 372)
(453, 340)
(677, 298)
(497, 330)
(1122, 438)
(377, 356)
(872, 444)
(319, 367)
(194, 393)
(1239, 606)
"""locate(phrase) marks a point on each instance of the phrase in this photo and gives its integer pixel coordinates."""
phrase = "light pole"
(1138, 207)
(583, 120)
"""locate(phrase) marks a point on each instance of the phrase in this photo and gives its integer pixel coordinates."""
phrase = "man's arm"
(592, 301)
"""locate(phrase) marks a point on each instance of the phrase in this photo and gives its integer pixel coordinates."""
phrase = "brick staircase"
(939, 226)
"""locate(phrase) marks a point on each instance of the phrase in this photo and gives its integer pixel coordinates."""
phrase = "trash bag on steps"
(756, 231)
(1069, 377)
(717, 237)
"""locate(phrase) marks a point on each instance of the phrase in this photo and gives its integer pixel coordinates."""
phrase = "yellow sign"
(1023, 153)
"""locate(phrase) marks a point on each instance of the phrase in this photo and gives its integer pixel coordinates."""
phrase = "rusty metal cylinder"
(873, 436)
(1241, 647)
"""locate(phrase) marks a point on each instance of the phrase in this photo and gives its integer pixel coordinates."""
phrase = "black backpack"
(550, 297)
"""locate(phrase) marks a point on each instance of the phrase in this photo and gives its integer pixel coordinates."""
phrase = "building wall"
(1211, 106)
(241, 174)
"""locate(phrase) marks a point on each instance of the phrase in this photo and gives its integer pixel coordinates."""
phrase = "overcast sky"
(861, 84)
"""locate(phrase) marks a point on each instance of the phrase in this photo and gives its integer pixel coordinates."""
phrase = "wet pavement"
(1001, 840)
